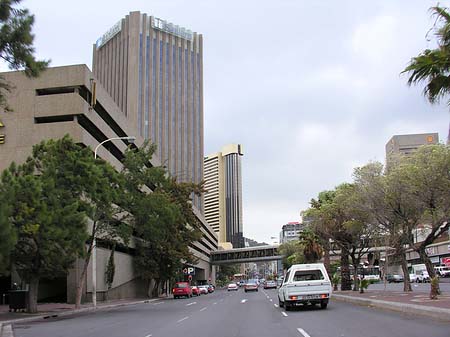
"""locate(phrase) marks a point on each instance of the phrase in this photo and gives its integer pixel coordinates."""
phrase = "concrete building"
(153, 70)
(290, 232)
(59, 103)
(406, 144)
(223, 200)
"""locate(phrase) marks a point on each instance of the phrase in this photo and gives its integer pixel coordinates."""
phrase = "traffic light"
(2, 139)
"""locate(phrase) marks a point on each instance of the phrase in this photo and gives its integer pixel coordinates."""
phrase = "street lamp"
(131, 139)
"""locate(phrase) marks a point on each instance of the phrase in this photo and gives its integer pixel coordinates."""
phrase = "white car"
(305, 284)
(442, 271)
(233, 286)
(414, 278)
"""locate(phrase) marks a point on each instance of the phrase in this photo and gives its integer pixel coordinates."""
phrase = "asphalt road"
(234, 314)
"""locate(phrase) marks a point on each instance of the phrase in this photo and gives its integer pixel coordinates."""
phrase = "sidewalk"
(47, 310)
(415, 303)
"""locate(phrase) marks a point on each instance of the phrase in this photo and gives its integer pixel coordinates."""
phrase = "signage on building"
(446, 261)
(189, 271)
(109, 34)
(172, 29)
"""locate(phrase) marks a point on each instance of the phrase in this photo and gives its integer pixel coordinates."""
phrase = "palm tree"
(433, 65)
(312, 249)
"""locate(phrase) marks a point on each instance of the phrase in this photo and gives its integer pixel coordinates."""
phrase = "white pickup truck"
(305, 284)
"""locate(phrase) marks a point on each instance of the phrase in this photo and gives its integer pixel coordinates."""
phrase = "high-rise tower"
(223, 200)
(153, 70)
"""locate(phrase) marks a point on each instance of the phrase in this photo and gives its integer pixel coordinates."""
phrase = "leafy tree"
(110, 269)
(162, 217)
(432, 65)
(7, 232)
(50, 223)
(427, 176)
(292, 253)
(387, 200)
(16, 44)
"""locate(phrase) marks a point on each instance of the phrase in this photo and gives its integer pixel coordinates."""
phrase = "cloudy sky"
(311, 89)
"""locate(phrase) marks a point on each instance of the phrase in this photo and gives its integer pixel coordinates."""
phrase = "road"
(234, 314)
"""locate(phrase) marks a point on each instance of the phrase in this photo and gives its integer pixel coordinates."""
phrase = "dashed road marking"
(202, 309)
(183, 319)
(244, 300)
(158, 303)
(148, 336)
(275, 305)
(303, 332)
(214, 303)
(284, 314)
(271, 300)
(191, 303)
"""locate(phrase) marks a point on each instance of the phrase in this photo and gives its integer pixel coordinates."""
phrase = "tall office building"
(223, 200)
(153, 70)
(407, 144)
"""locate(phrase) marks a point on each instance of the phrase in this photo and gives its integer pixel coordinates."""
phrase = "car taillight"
(173, 290)
(324, 295)
(293, 297)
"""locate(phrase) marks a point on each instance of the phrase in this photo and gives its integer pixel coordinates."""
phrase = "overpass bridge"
(245, 255)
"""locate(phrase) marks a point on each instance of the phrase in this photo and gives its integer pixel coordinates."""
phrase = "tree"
(162, 217)
(427, 177)
(50, 223)
(8, 234)
(312, 249)
(16, 44)
(386, 198)
(292, 253)
(432, 65)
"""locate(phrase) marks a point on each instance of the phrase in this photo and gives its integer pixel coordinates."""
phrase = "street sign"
(189, 271)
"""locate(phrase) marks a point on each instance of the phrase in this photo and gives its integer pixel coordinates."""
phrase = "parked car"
(203, 289)
(442, 271)
(181, 289)
(305, 284)
(251, 285)
(394, 278)
(195, 291)
(414, 278)
(211, 288)
(233, 286)
(270, 285)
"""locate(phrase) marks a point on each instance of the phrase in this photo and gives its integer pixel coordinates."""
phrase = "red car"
(195, 291)
(182, 289)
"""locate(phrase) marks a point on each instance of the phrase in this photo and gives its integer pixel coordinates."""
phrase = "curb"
(5, 326)
(406, 308)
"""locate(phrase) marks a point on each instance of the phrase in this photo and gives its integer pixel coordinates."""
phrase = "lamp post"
(94, 240)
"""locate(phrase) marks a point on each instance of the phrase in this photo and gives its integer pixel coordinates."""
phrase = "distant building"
(253, 243)
(223, 199)
(290, 231)
(407, 144)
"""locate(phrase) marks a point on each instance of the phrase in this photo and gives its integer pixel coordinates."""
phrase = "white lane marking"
(267, 296)
(191, 303)
(244, 300)
(184, 318)
(275, 305)
(303, 332)
(157, 304)
(271, 300)
(284, 314)
(203, 309)
(214, 303)
(148, 336)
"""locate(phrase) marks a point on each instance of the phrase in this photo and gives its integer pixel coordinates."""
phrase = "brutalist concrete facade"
(59, 103)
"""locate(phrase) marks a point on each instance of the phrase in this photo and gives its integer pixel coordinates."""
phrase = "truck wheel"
(323, 305)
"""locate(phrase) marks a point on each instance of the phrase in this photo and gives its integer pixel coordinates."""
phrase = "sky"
(311, 89)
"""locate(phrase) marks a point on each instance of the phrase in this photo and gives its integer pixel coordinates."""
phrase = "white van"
(305, 284)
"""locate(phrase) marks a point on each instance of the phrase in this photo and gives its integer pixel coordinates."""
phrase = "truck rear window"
(308, 275)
